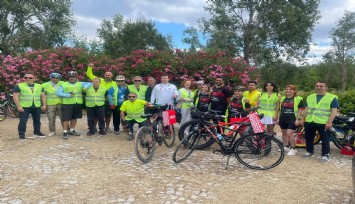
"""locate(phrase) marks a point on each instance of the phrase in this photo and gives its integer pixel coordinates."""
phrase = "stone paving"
(104, 169)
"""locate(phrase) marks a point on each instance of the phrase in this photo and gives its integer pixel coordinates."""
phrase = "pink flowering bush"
(178, 64)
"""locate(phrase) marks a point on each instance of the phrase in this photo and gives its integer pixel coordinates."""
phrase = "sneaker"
(95, 130)
(130, 136)
(285, 148)
(74, 133)
(108, 130)
(39, 134)
(324, 159)
(308, 155)
(102, 132)
(116, 132)
(22, 139)
(65, 136)
(51, 134)
(91, 132)
(292, 152)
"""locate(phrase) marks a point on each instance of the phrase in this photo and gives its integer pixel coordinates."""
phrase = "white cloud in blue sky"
(174, 16)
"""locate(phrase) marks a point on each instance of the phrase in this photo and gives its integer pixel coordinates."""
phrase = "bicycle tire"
(186, 147)
(252, 152)
(169, 136)
(12, 111)
(2, 114)
(195, 127)
(144, 144)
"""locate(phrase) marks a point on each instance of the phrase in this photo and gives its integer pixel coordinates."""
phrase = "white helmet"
(120, 77)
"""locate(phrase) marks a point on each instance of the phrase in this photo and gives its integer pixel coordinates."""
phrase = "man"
(72, 94)
(131, 112)
(95, 101)
(54, 102)
(321, 109)
(220, 96)
(151, 84)
(164, 93)
(137, 88)
(117, 94)
(251, 96)
(27, 97)
(107, 83)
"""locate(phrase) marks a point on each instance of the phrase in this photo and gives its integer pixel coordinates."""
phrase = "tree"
(26, 25)
(122, 37)
(343, 37)
(261, 30)
(191, 38)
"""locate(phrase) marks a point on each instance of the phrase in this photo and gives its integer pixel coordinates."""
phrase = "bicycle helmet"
(72, 73)
(55, 75)
(239, 88)
(120, 77)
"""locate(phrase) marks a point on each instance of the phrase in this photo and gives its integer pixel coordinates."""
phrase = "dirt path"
(105, 170)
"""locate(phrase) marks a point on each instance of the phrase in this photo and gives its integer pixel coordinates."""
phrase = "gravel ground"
(104, 169)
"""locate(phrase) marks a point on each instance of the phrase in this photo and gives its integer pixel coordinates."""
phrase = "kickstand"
(229, 156)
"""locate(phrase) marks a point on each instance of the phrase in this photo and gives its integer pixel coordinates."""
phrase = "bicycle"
(155, 133)
(7, 107)
(255, 150)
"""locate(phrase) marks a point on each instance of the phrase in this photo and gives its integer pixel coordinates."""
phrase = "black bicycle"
(7, 107)
(156, 133)
(259, 151)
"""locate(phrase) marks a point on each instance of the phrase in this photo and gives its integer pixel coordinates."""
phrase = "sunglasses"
(28, 77)
(119, 80)
(137, 80)
(131, 96)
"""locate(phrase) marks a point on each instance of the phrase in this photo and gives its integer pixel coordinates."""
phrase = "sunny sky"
(174, 16)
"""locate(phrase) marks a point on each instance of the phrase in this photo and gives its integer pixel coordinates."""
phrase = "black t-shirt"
(236, 107)
(203, 102)
(287, 114)
(18, 90)
(219, 97)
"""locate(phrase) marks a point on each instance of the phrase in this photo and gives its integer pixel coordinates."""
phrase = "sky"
(174, 16)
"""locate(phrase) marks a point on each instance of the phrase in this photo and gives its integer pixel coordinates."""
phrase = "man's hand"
(112, 107)
(328, 126)
(44, 108)
(91, 65)
(20, 109)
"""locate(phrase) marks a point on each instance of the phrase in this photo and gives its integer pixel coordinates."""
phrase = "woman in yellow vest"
(289, 117)
(268, 103)
(185, 98)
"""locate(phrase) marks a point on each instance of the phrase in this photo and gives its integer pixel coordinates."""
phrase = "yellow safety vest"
(77, 89)
(252, 96)
(319, 113)
(140, 93)
(268, 104)
(95, 98)
(185, 94)
(51, 96)
(27, 97)
(134, 110)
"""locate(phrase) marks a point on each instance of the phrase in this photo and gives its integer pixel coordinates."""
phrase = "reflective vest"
(27, 97)
(252, 96)
(120, 92)
(51, 96)
(95, 98)
(296, 102)
(77, 89)
(140, 93)
(186, 94)
(319, 113)
(268, 104)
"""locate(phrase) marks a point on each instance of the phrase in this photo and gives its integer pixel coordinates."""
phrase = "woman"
(291, 110)
(185, 98)
(268, 103)
(236, 107)
(202, 99)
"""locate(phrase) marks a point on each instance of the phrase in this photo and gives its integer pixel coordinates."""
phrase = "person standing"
(289, 117)
(202, 98)
(164, 93)
(321, 109)
(236, 107)
(72, 94)
(185, 98)
(151, 83)
(107, 83)
(54, 102)
(117, 93)
(137, 88)
(251, 96)
(220, 96)
(95, 101)
(131, 112)
(27, 97)
(269, 104)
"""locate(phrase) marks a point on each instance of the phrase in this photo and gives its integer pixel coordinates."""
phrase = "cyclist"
(54, 102)
(164, 93)
(137, 88)
(236, 107)
(202, 98)
(185, 98)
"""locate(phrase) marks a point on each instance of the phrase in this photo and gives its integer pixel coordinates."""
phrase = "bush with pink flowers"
(178, 64)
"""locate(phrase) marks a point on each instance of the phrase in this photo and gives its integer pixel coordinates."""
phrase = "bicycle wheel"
(2, 114)
(145, 144)
(185, 148)
(11, 110)
(195, 127)
(259, 151)
(168, 135)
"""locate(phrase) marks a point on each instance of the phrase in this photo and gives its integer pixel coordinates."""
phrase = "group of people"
(106, 98)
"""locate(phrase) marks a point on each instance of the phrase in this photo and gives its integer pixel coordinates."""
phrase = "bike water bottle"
(220, 137)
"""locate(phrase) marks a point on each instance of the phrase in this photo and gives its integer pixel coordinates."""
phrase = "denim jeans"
(310, 132)
(36, 117)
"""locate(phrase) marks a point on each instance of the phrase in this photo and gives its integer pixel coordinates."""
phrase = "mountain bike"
(254, 149)
(7, 106)
(156, 133)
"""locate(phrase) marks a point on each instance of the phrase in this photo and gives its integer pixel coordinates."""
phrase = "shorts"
(108, 110)
(71, 111)
(290, 126)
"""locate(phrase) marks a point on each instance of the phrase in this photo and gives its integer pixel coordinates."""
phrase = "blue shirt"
(120, 95)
